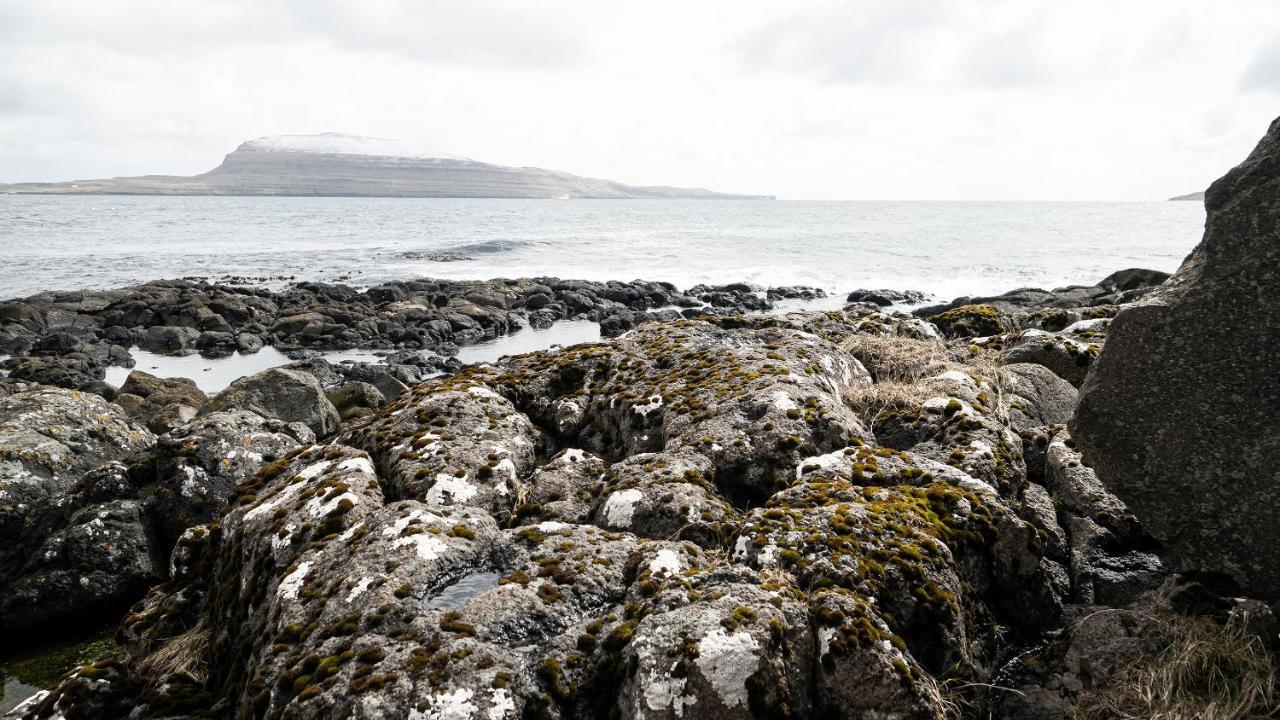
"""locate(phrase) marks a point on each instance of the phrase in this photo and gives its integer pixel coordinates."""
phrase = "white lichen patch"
(483, 392)
(621, 506)
(450, 489)
(317, 507)
(292, 583)
(550, 526)
(427, 547)
(454, 705)
(653, 403)
(666, 562)
(314, 470)
(782, 401)
(727, 660)
(820, 462)
(501, 705)
(359, 588)
(269, 507)
(356, 464)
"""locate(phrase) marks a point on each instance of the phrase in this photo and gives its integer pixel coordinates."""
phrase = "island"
(338, 165)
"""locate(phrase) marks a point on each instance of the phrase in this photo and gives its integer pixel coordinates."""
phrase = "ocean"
(944, 248)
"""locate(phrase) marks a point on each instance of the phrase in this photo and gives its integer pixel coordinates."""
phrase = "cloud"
(474, 32)
(878, 42)
(1263, 71)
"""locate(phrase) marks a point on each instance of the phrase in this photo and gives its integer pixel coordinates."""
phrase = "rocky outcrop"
(73, 539)
(1178, 415)
(696, 519)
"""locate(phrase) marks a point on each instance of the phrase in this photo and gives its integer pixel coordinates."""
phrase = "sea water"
(945, 248)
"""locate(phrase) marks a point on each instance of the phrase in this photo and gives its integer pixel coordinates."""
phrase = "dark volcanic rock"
(884, 298)
(71, 540)
(1178, 416)
(161, 404)
(281, 394)
(196, 466)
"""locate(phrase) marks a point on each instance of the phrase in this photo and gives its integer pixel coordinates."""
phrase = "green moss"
(45, 668)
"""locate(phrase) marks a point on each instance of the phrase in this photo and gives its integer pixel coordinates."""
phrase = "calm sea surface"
(948, 249)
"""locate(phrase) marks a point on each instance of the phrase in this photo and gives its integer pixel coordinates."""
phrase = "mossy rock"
(972, 321)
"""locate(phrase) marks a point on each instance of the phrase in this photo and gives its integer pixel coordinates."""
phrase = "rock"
(698, 518)
(356, 399)
(1038, 397)
(74, 372)
(168, 339)
(795, 292)
(214, 344)
(67, 547)
(1069, 359)
(197, 465)
(971, 321)
(885, 298)
(564, 489)
(248, 343)
(161, 404)
(1178, 414)
(1132, 279)
(280, 394)
(102, 559)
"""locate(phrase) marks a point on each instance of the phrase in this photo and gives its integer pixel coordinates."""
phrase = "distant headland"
(332, 164)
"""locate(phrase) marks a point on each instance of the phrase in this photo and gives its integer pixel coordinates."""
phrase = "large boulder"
(72, 538)
(280, 394)
(161, 404)
(1178, 416)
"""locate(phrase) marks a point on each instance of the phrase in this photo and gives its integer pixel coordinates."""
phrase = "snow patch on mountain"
(342, 144)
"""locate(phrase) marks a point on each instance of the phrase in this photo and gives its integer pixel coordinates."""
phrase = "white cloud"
(807, 99)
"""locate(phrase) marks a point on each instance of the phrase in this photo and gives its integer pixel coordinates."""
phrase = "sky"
(803, 99)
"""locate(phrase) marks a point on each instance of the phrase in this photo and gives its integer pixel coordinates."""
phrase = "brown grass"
(1207, 671)
(899, 366)
(183, 654)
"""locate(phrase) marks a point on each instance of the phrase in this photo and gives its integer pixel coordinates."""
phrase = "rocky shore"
(714, 513)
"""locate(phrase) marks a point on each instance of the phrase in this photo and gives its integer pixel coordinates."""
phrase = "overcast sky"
(805, 99)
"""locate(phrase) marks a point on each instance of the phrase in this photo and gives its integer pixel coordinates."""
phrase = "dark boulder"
(884, 298)
(71, 540)
(169, 339)
(1178, 415)
(280, 394)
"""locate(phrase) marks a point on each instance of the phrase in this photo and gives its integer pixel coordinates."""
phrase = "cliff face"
(341, 165)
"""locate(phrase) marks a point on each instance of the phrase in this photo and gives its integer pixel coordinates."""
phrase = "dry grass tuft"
(897, 365)
(890, 358)
(183, 654)
(1207, 671)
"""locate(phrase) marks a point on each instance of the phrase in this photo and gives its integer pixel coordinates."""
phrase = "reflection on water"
(457, 594)
(215, 374)
(13, 691)
(565, 333)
